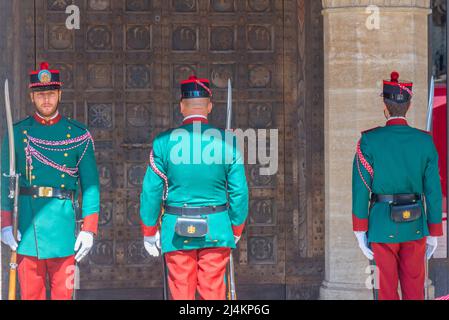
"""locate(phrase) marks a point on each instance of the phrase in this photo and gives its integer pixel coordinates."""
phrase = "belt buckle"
(45, 192)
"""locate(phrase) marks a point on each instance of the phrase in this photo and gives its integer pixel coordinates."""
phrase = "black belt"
(396, 198)
(47, 192)
(195, 211)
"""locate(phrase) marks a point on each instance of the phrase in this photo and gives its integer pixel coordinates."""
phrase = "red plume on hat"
(395, 76)
(44, 66)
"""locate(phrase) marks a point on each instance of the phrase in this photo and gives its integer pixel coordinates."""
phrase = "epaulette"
(77, 124)
(23, 120)
(369, 130)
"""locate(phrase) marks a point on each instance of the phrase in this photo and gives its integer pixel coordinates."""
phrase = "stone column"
(358, 54)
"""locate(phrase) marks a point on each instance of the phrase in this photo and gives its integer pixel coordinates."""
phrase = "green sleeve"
(6, 202)
(90, 182)
(432, 188)
(361, 185)
(237, 188)
(152, 189)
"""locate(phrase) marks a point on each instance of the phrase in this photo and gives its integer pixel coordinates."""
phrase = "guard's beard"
(47, 118)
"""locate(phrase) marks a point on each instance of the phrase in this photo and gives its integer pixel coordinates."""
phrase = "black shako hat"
(45, 79)
(397, 91)
(195, 88)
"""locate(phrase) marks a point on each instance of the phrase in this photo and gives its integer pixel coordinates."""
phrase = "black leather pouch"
(405, 212)
(191, 227)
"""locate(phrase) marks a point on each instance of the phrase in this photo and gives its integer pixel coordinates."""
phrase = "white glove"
(431, 246)
(236, 239)
(8, 238)
(85, 241)
(152, 244)
(363, 244)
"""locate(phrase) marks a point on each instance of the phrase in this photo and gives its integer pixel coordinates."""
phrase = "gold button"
(68, 136)
(62, 186)
(34, 196)
(186, 241)
(25, 140)
(62, 175)
(33, 177)
(391, 236)
(25, 132)
(418, 232)
(66, 155)
(70, 128)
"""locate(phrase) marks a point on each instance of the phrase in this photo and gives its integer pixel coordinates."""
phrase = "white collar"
(392, 118)
(194, 116)
(54, 116)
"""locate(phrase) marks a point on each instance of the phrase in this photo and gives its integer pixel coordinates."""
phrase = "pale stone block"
(356, 60)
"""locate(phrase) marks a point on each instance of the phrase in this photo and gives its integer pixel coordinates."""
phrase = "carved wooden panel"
(16, 59)
(122, 71)
(111, 68)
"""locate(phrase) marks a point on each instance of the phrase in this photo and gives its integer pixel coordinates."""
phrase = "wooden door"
(121, 73)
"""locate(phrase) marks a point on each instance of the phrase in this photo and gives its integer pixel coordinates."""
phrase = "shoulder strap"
(160, 174)
(361, 159)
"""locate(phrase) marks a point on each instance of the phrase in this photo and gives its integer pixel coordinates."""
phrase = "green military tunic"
(196, 183)
(396, 159)
(47, 225)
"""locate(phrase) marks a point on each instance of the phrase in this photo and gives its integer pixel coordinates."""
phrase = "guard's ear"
(209, 107)
(59, 95)
(32, 96)
(182, 106)
(386, 112)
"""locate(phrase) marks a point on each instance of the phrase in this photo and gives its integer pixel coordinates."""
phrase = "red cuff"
(148, 231)
(90, 223)
(6, 219)
(435, 229)
(359, 224)
(238, 230)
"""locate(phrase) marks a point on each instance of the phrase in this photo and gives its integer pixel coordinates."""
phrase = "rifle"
(232, 295)
(13, 193)
(427, 281)
(78, 224)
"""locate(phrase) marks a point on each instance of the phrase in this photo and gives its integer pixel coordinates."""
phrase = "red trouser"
(404, 262)
(202, 270)
(33, 277)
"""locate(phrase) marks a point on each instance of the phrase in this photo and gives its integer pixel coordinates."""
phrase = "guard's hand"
(363, 244)
(8, 238)
(431, 246)
(152, 244)
(83, 244)
(236, 239)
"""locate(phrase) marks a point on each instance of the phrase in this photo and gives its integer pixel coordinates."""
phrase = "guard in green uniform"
(396, 197)
(55, 157)
(193, 171)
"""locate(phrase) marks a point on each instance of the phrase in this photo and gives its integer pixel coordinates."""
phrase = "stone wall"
(357, 58)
